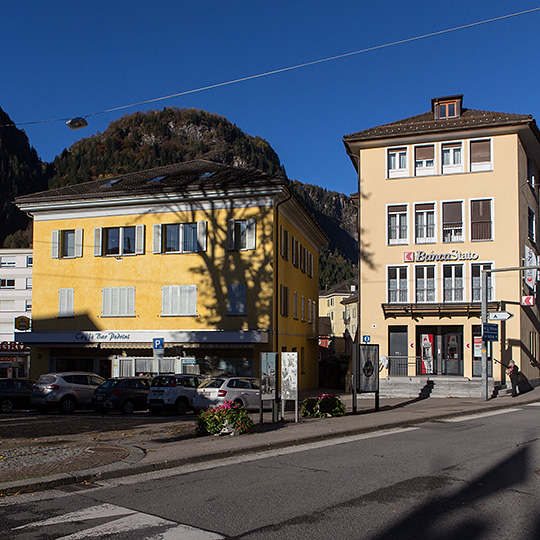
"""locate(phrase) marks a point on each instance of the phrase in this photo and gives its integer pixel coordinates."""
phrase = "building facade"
(190, 267)
(15, 305)
(445, 195)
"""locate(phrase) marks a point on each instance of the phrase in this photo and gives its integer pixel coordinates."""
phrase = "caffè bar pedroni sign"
(454, 255)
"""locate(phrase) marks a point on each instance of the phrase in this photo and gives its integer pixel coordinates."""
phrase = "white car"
(240, 390)
(172, 392)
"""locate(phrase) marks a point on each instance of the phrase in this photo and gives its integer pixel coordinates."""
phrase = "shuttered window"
(119, 241)
(237, 299)
(481, 228)
(65, 302)
(480, 155)
(179, 300)
(118, 302)
(452, 222)
(424, 160)
(242, 234)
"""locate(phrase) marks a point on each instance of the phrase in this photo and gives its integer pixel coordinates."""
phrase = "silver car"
(240, 390)
(65, 391)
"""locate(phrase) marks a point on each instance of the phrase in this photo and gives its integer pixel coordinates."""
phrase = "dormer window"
(448, 110)
(446, 107)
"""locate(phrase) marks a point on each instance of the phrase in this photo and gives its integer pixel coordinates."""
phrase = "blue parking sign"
(159, 343)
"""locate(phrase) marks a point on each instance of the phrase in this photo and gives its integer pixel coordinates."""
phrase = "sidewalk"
(53, 461)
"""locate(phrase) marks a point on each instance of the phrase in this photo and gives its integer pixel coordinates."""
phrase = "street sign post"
(499, 315)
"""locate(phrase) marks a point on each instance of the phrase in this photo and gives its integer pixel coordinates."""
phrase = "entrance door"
(452, 361)
(397, 349)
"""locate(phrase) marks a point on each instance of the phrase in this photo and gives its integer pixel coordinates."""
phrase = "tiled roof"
(343, 288)
(424, 123)
(199, 175)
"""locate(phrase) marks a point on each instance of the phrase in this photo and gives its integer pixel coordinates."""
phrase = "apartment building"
(196, 266)
(15, 309)
(446, 194)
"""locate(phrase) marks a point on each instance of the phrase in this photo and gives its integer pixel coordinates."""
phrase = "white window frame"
(491, 210)
(398, 290)
(482, 165)
(452, 167)
(7, 283)
(423, 167)
(179, 301)
(478, 288)
(425, 288)
(454, 238)
(158, 245)
(237, 296)
(453, 297)
(66, 302)
(28, 305)
(29, 261)
(58, 243)
(397, 155)
(28, 283)
(247, 240)
(118, 302)
(426, 239)
(99, 247)
(7, 262)
(399, 241)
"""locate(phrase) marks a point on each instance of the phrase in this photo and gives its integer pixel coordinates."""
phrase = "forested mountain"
(21, 172)
(145, 140)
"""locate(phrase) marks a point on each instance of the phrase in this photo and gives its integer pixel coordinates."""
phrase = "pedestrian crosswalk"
(115, 520)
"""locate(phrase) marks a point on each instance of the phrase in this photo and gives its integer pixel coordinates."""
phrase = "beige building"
(446, 194)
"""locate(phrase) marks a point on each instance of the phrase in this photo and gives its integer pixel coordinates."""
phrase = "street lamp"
(77, 123)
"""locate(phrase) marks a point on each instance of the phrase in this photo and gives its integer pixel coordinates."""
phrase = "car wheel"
(6, 406)
(128, 407)
(238, 402)
(67, 405)
(181, 407)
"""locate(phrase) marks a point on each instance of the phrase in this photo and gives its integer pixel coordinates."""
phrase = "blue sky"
(63, 59)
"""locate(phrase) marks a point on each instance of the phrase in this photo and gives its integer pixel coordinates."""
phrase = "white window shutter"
(156, 248)
(181, 239)
(65, 303)
(250, 234)
(130, 304)
(78, 242)
(139, 239)
(106, 302)
(55, 244)
(166, 300)
(231, 234)
(97, 241)
(192, 292)
(201, 235)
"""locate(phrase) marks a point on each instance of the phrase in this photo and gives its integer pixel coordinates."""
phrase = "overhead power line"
(290, 68)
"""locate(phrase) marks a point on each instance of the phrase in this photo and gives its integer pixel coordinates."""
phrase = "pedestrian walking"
(513, 373)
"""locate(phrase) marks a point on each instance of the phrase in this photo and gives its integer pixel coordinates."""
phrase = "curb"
(131, 465)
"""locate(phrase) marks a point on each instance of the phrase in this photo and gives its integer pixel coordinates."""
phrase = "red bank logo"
(527, 300)
(408, 256)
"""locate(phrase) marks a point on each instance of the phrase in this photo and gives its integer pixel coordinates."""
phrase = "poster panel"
(268, 376)
(289, 376)
(366, 360)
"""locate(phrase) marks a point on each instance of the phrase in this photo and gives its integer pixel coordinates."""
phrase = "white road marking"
(184, 532)
(535, 404)
(480, 415)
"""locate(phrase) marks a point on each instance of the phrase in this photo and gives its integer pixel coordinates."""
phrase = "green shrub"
(213, 420)
(324, 406)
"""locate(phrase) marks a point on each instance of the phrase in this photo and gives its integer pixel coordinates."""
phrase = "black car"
(15, 394)
(126, 394)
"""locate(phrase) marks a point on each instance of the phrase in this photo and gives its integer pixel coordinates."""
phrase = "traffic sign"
(527, 300)
(499, 315)
(158, 343)
(366, 338)
(490, 332)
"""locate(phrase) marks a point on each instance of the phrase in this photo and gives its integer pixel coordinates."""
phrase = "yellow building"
(217, 263)
(445, 195)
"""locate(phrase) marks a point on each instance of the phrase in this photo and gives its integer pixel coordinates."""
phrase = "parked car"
(126, 394)
(240, 390)
(65, 391)
(15, 394)
(172, 392)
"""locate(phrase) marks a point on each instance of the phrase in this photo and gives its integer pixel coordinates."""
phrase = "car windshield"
(211, 383)
(163, 381)
(111, 383)
(47, 379)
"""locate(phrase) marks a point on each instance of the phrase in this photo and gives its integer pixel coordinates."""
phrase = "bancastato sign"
(454, 255)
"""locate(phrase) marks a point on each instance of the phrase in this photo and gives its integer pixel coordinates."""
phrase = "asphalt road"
(469, 478)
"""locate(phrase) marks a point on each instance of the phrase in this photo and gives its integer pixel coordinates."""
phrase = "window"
(397, 284)
(447, 109)
(29, 283)
(67, 243)
(65, 302)
(7, 261)
(118, 302)
(309, 311)
(179, 300)
(284, 300)
(397, 224)
(451, 158)
(241, 234)
(476, 270)
(180, 237)
(295, 305)
(7, 283)
(453, 282)
(531, 226)
(425, 283)
(424, 160)
(237, 299)
(532, 173)
(284, 243)
(7, 305)
(424, 223)
(28, 305)
(303, 304)
(397, 162)
(294, 249)
(29, 261)
(480, 156)
(119, 241)
(481, 220)
(452, 222)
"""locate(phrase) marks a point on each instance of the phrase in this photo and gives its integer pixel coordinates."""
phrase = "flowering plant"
(324, 406)
(215, 420)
